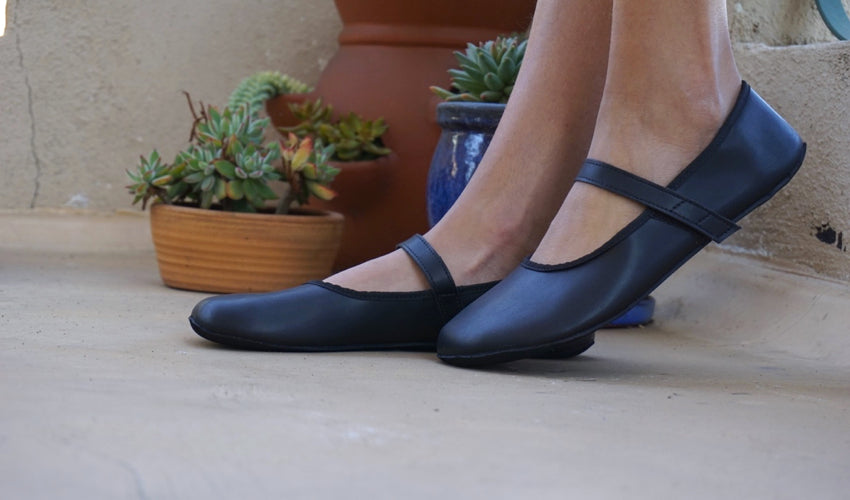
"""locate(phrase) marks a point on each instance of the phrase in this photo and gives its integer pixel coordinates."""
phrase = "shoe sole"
(568, 350)
(255, 345)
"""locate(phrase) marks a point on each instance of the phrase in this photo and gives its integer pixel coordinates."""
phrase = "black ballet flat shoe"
(539, 308)
(322, 317)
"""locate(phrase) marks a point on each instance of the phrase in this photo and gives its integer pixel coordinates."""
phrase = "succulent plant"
(306, 170)
(227, 162)
(487, 72)
(352, 137)
(310, 115)
(262, 86)
(150, 179)
(355, 138)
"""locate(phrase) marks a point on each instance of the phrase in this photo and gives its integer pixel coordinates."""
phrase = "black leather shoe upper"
(540, 307)
(319, 316)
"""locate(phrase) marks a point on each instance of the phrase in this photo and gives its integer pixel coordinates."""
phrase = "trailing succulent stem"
(352, 137)
(487, 71)
(262, 86)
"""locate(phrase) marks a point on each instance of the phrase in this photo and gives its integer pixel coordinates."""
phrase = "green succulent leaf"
(493, 82)
(220, 189)
(206, 199)
(194, 178)
(225, 168)
(208, 183)
(234, 190)
(491, 96)
(507, 70)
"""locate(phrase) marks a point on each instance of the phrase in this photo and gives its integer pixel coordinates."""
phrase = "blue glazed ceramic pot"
(467, 128)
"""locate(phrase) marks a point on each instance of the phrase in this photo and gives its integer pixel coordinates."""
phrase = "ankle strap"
(659, 198)
(436, 272)
(430, 263)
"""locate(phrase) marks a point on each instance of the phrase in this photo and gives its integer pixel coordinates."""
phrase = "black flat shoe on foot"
(540, 308)
(322, 317)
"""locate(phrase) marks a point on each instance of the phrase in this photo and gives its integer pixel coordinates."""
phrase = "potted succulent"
(473, 106)
(468, 117)
(214, 220)
(363, 162)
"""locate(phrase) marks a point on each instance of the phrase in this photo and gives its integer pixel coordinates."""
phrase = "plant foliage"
(229, 163)
(260, 87)
(487, 72)
(352, 137)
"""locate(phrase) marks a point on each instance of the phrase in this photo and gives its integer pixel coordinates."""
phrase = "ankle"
(657, 135)
(487, 250)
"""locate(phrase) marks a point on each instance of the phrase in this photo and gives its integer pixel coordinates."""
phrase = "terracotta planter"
(390, 53)
(361, 186)
(225, 252)
(279, 112)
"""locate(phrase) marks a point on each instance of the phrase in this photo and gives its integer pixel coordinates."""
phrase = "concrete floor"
(741, 389)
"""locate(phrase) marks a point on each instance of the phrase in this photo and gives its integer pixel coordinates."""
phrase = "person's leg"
(671, 82)
(673, 102)
(530, 165)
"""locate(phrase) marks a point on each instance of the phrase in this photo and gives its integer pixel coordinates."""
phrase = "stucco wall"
(777, 22)
(88, 85)
(807, 225)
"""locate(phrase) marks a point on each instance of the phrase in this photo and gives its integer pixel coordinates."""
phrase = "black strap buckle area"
(436, 272)
(659, 198)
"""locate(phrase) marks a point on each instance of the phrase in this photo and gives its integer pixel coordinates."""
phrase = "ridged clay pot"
(229, 252)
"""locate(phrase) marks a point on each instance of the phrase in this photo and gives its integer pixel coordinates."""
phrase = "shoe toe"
(212, 315)
(476, 332)
(204, 311)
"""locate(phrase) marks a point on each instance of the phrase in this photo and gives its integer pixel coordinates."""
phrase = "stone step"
(805, 227)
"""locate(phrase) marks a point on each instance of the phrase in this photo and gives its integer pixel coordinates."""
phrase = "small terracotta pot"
(227, 252)
(278, 110)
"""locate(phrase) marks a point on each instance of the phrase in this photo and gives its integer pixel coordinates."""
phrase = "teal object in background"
(835, 17)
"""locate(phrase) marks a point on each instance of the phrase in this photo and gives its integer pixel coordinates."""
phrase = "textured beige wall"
(777, 22)
(88, 85)
(807, 225)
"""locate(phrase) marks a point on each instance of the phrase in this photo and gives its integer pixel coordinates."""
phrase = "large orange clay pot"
(224, 252)
(390, 52)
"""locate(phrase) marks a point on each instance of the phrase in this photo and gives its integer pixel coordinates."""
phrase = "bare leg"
(671, 82)
(530, 164)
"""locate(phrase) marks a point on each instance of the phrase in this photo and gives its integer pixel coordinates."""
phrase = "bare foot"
(474, 251)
